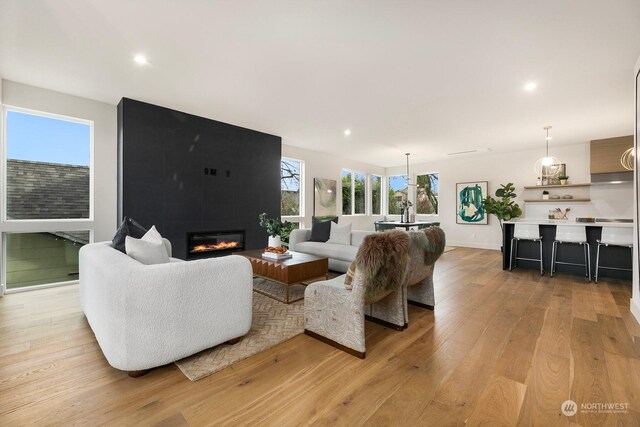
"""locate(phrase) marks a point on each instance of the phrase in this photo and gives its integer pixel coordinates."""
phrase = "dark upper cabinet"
(185, 173)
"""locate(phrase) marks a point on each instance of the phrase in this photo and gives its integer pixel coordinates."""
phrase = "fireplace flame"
(208, 247)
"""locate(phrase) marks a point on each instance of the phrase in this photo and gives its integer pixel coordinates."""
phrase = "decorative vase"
(275, 242)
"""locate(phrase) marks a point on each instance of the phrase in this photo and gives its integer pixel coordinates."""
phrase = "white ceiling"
(429, 77)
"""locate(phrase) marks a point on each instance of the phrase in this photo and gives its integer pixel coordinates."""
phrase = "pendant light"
(628, 159)
(547, 166)
(409, 183)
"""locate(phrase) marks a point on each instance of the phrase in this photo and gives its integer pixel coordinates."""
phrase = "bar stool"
(575, 234)
(529, 232)
(614, 236)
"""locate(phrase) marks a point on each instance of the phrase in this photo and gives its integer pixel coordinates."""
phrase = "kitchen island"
(612, 256)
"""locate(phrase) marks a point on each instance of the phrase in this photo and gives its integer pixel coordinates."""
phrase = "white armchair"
(145, 316)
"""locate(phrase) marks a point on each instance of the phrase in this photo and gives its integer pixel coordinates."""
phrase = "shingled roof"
(39, 190)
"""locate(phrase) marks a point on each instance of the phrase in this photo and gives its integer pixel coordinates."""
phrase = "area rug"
(273, 322)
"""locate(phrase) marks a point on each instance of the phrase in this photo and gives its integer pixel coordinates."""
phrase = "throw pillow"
(129, 227)
(340, 234)
(149, 249)
(321, 230)
(348, 278)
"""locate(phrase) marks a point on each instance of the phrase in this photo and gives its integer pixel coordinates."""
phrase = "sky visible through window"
(293, 167)
(398, 182)
(45, 139)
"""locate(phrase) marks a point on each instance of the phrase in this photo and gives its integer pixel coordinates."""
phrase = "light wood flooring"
(501, 348)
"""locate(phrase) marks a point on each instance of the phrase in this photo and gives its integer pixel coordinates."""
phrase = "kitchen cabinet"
(606, 154)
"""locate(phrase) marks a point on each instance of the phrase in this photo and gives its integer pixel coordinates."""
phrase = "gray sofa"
(340, 256)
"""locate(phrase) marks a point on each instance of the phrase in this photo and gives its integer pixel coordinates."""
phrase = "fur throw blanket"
(382, 260)
(431, 241)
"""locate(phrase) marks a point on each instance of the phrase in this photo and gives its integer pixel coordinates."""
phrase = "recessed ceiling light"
(530, 86)
(140, 59)
(347, 132)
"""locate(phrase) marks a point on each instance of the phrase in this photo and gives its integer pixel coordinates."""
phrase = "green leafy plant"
(275, 227)
(563, 177)
(504, 208)
(545, 192)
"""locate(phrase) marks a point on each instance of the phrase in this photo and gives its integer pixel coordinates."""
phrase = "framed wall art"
(469, 209)
(324, 197)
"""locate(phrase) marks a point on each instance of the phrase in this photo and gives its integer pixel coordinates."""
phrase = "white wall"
(320, 165)
(612, 201)
(104, 117)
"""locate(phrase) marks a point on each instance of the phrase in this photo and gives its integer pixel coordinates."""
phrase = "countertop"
(570, 222)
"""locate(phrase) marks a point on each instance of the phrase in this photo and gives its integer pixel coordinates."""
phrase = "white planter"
(275, 242)
(545, 197)
(563, 181)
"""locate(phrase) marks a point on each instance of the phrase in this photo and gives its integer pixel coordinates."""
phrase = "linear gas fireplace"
(214, 243)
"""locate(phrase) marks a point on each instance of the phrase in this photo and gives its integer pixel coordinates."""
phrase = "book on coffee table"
(275, 255)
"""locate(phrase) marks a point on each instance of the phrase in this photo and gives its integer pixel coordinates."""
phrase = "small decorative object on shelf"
(561, 214)
(539, 181)
(563, 179)
(545, 181)
(545, 195)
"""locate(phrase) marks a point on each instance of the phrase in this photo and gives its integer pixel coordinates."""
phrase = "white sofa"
(145, 316)
(340, 256)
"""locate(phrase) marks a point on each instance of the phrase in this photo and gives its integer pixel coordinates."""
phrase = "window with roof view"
(47, 167)
(47, 177)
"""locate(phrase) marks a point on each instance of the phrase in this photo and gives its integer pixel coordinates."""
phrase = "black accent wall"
(184, 173)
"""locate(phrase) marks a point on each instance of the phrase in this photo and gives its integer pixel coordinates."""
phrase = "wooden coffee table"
(301, 269)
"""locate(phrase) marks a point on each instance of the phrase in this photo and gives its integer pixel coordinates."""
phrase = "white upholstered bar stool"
(529, 232)
(614, 236)
(573, 234)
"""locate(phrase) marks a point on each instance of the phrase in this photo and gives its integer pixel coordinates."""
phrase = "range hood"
(611, 178)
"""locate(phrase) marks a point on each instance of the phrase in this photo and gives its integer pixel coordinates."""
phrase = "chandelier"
(547, 166)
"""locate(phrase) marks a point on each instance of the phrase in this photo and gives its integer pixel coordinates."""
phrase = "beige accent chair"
(336, 315)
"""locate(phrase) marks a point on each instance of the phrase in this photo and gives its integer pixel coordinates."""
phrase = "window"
(48, 187)
(42, 258)
(290, 187)
(47, 167)
(359, 193)
(346, 192)
(398, 192)
(427, 197)
(376, 195)
(354, 193)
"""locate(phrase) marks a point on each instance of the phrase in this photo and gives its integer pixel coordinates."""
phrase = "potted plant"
(545, 195)
(503, 208)
(563, 179)
(275, 228)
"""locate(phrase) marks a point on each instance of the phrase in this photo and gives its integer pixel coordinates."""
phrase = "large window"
(376, 195)
(427, 194)
(398, 192)
(354, 193)
(291, 187)
(47, 167)
(47, 185)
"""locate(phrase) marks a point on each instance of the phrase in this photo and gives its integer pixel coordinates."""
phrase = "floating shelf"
(559, 200)
(536, 187)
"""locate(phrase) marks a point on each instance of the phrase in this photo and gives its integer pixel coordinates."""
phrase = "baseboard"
(475, 245)
(635, 309)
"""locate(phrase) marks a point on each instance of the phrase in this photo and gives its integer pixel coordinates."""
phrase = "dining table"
(408, 225)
